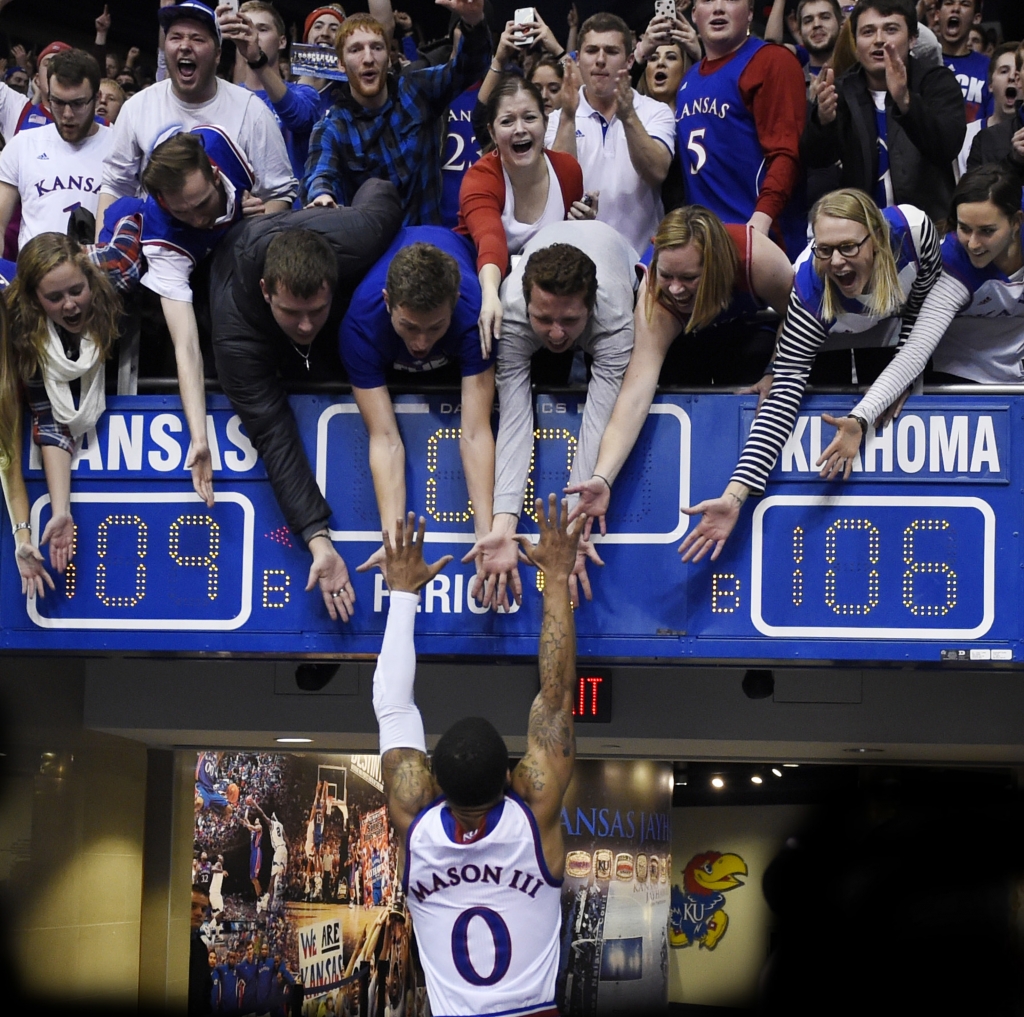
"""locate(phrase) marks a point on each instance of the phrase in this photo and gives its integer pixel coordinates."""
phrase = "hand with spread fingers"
(59, 533)
(842, 450)
(32, 570)
(718, 517)
(407, 572)
(330, 573)
(496, 558)
(555, 552)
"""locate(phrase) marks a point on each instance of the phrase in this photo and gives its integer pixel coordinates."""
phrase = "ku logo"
(696, 913)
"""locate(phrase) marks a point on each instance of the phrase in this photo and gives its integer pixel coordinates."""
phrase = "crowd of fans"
(838, 202)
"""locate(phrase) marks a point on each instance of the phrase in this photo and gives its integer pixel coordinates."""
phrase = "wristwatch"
(259, 62)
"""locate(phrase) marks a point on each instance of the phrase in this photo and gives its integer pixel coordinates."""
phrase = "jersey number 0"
(502, 946)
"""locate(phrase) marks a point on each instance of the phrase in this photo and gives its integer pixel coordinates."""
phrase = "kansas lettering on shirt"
(972, 75)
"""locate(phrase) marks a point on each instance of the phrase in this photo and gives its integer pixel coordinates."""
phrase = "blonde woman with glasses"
(862, 282)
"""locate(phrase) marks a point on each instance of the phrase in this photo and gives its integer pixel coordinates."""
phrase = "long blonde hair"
(10, 397)
(884, 286)
(694, 224)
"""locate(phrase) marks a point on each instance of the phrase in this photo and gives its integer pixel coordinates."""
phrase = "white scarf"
(58, 371)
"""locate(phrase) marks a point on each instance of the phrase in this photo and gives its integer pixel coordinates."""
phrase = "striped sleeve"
(929, 256)
(802, 336)
(940, 306)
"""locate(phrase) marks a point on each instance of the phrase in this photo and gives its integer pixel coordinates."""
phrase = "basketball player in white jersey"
(279, 865)
(217, 874)
(481, 866)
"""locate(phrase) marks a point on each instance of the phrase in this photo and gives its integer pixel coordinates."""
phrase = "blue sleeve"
(322, 165)
(364, 362)
(807, 287)
(440, 85)
(409, 48)
(117, 211)
(299, 108)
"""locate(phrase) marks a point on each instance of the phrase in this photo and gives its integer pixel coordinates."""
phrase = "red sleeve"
(481, 200)
(570, 177)
(779, 110)
(739, 234)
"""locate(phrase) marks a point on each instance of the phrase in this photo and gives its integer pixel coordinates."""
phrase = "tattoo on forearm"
(551, 726)
(407, 778)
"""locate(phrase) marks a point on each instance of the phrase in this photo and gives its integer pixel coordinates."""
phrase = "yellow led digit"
(798, 557)
(275, 592)
(830, 557)
(926, 567)
(547, 434)
(70, 580)
(725, 599)
(442, 434)
(208, 560)
(102, 542)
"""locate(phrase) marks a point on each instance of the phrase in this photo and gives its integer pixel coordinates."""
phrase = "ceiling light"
(717, 782)
(755, 779)
(776, 771)
(791, 766)
(293, 741)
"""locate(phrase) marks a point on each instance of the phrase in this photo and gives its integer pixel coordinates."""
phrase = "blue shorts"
(211, 799)
(318, 836)
(255, 862)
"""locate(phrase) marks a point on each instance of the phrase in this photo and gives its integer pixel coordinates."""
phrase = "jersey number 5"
(502, 946)
(694, 145)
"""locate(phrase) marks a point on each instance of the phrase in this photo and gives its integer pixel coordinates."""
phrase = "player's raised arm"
(544, 772)
(408, 781)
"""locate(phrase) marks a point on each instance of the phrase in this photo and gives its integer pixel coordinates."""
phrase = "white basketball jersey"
(486, 914)
(277, 840)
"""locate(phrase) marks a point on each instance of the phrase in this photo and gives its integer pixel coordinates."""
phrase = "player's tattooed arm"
(545, 770)
(408, 783)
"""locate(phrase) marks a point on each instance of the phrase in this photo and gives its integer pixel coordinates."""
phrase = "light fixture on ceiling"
(293, 741)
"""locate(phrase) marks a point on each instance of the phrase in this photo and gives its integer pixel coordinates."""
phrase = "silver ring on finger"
(334, 596)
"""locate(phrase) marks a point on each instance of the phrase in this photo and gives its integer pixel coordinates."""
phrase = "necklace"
(305, 356)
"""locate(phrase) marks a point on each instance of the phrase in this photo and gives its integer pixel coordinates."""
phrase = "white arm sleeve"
(401, 726)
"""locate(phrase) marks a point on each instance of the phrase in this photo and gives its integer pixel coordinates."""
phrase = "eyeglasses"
(849, 250)
(75, 105)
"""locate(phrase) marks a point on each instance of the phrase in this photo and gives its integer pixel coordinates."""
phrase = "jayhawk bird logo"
(696, 914)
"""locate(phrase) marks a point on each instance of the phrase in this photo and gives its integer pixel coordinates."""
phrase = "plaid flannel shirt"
(121, 260)
(402, 140)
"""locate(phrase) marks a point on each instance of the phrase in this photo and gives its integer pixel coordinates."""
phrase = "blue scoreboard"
(915, 558)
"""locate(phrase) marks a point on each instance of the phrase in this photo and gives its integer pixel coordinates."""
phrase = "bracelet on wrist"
(498, 69)
(319, 533)
(559, 56)
(20, 526)
(608, 483)
(861, 421)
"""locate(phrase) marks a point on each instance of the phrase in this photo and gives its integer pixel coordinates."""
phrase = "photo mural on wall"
(697, 913)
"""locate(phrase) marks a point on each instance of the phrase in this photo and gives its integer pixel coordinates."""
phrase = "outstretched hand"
(595, 494)
(496, 557)
(842, 450)
(407, 572)
(555, 552)
(32, 570)
(579, 580)
(59, 533)
(200, 462)
(718, 517)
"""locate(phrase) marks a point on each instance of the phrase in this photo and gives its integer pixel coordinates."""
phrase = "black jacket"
(923, 142)
(254, 356)
(994, 144)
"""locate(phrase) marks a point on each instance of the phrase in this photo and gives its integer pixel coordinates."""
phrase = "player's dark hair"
(561, 270)
(73, 66)
(470, 763)
(904, 8)
(1001, 51)
(301, 261)
(991, 182)
(422, 277)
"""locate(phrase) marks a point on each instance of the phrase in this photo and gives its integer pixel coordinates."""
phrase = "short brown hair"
(73, 66)
(605, 22)
(172, 160)
(999, 51)
(301, 261)
(422, 277)
(563, 271)
(353, 24)
(267, 8)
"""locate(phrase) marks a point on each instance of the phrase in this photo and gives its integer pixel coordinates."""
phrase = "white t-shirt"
(519, 234)
(11, 105)
(53, 177)
(627, 203)
(247, 120)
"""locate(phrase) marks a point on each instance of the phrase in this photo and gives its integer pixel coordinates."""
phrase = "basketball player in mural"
(482, 867)
(279, 866)
(315, 842)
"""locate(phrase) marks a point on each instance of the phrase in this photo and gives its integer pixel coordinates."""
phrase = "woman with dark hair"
(512, 193)
(701, 273)
(547, 73)
(979, 302)
(64, 316)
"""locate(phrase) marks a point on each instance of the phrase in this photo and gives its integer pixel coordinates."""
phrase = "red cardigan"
(482, 200)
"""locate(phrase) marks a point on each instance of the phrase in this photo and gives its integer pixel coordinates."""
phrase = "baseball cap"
(335, 10)
(189, 10)
(52, 49)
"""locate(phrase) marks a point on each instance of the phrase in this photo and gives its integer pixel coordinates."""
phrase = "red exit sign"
(592, 703)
